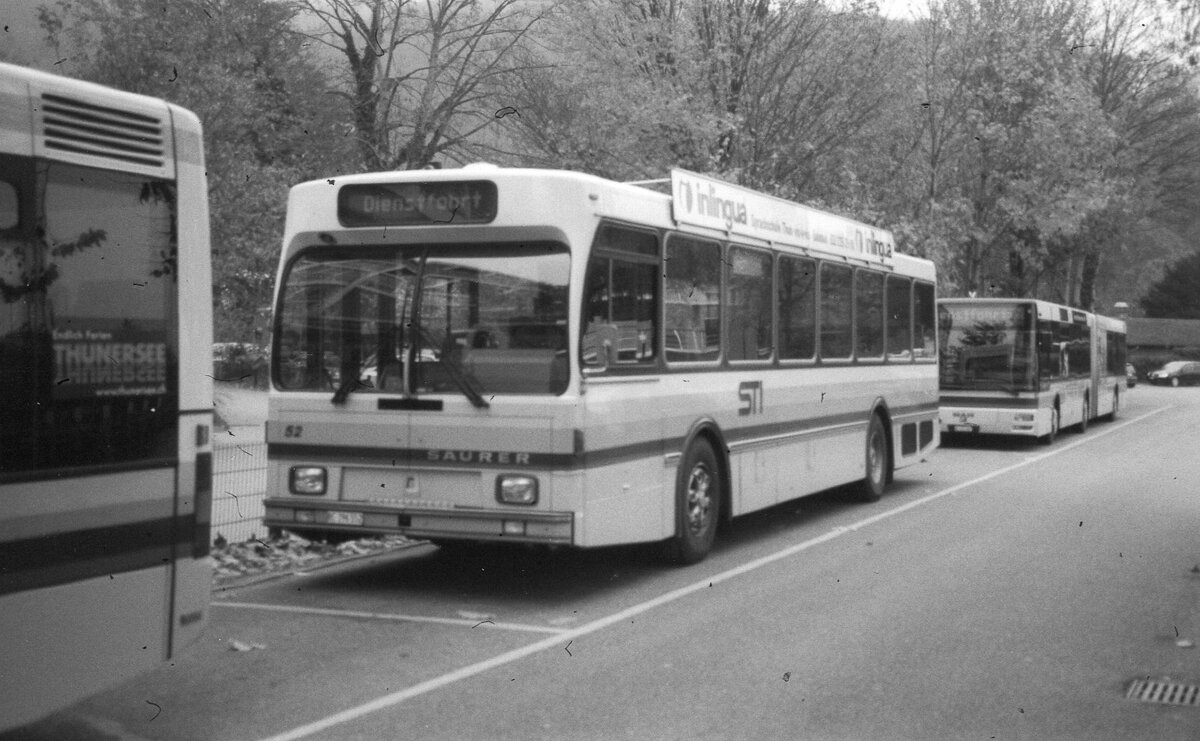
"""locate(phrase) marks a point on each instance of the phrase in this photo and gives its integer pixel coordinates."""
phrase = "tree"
(604, 89)
(423, 78)
(1177, 294)
(266, 121)
(1008, 146)
(771, 95)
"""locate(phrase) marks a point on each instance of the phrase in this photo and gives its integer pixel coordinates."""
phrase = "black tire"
(697, 505)
(1051, 436)
(876, 463)
(1087, 409)
(1116, 405)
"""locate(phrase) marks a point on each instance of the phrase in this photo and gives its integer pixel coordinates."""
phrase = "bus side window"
(899, 317)
(837, 326)
(692, 290)
(796, 297)
(868, 313)
(924, 321)
(748, 298)
(620, 304)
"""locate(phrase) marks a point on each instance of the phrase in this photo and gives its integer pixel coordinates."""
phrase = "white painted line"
(459, 622)
(566, 636)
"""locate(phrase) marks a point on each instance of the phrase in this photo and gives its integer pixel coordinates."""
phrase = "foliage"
(422, 78)
(1044, 148)
(1177, 294)
(767, 94)
(259, 96)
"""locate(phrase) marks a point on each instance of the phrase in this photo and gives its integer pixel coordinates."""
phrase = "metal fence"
(239, 486)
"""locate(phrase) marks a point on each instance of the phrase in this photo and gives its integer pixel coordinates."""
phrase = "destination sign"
(452, 202)
(1000, 315)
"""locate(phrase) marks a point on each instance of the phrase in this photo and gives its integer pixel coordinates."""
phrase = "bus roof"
(469, 196)
(141, 134)
(1045, 309)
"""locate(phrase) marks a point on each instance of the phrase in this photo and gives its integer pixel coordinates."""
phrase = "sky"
(900, 9)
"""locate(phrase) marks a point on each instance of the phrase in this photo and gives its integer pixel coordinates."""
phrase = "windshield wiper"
(461, 378)
(352, 383)
(455, 373)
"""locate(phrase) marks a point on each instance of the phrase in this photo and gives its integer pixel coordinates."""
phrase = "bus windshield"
(479, 319)
(987, 347)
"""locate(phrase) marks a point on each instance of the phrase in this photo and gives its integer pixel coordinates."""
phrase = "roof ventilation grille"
(71, 125)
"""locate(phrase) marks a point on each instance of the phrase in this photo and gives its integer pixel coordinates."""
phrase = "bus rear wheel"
(877, 463)
(1087, 408)
(697, 505)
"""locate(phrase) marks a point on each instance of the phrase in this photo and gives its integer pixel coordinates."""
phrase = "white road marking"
(566, 636)
(481, 623)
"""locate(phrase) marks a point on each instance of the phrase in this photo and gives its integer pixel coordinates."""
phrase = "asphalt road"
(999, 590)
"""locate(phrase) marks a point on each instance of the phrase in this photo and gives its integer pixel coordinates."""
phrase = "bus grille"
(86, 128)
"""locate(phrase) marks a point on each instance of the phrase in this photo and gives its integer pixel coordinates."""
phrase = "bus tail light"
(202, 501)
(516, 489)
(308, 480)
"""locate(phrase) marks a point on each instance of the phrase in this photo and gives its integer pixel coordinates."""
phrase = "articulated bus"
(493, 354)
(1027, 367)
(106, 410)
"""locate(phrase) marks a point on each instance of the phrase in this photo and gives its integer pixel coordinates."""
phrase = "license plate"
(345, 518)
(962, 428)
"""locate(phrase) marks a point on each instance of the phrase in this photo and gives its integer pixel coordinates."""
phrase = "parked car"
(1130, 375)
(1176, 373)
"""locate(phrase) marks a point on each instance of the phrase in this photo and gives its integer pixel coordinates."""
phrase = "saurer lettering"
(498, 457)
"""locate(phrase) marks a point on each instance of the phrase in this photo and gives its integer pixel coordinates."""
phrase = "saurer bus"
(535, 356)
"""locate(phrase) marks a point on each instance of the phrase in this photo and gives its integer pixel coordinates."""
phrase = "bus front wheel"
(875, 476)
(1049, 437)
(697, 505)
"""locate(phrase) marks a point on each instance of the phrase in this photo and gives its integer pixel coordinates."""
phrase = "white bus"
(106, 410)
(1015, 366)
(549, 357)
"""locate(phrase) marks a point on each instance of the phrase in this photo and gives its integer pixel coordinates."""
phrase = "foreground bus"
(548, 357)
(105, 347)
(1027, 367)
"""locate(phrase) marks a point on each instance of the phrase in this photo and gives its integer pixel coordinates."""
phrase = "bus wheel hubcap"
(875, 458)
(699, 500)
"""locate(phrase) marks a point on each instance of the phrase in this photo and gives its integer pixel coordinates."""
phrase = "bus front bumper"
(966, 420)
(364, 518)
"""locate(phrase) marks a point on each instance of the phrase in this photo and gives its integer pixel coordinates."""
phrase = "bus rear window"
(87, 340)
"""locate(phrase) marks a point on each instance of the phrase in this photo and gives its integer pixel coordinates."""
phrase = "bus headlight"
(1023, 417)
(516, 489)
(308, 480)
